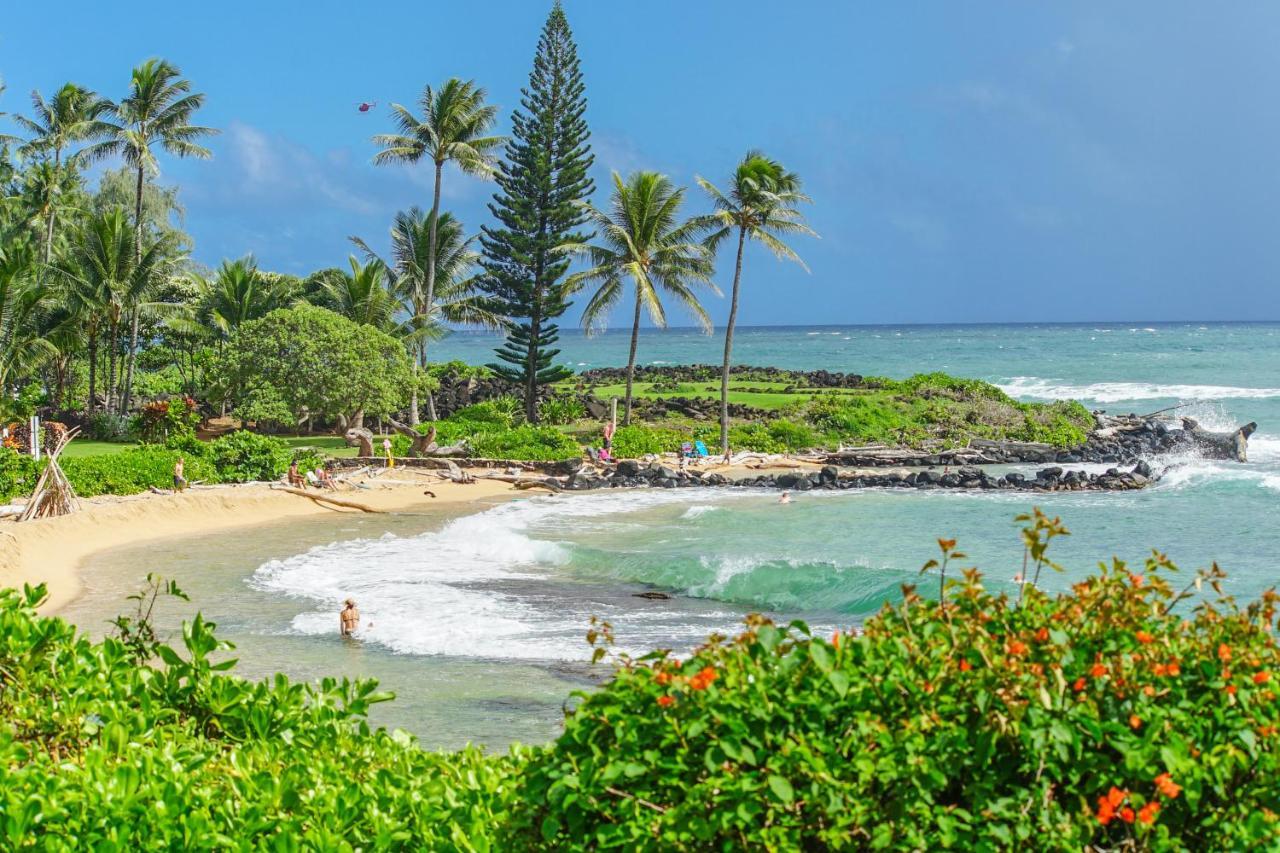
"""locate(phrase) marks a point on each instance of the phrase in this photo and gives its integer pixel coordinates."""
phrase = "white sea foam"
(1114, 392)
(698, 510)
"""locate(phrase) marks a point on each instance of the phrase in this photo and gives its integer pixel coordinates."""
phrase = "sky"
(968, 162)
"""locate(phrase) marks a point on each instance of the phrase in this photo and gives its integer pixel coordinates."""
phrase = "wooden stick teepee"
(53, 495)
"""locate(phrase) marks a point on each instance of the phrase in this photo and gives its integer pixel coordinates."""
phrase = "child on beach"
(179, 480)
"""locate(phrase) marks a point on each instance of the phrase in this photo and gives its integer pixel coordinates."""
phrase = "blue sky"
(991, 161)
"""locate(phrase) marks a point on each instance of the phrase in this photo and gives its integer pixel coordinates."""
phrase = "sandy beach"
(51, 551)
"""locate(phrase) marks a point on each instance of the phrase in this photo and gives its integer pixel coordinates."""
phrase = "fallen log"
(1220, 445)
(325, 499)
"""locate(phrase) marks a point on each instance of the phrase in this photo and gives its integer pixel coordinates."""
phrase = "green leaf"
(781, 789)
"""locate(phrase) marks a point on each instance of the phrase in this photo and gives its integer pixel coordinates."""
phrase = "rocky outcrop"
(711, 373)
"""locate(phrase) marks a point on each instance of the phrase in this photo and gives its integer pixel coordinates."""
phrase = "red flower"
(1017, 647)
(1042, 636)
(703, 679)
(1224, 652)
(1174, 669)
(1126, 813)
(1097, 670)
(965, 666)
(1231, 689)
(1261, 677)
(666, 701)
(1148, 690)
(1144, 637)
(1159, 669)
(1148, 812)
(663, 677)
(1108, 804)
(1079, 685)
(1166, 786)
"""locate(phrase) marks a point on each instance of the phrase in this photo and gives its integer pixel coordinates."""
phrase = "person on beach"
(386, 449)
(349, 618)
(295, 479)
(606, 452)
(179, 479)
(324, 479)
(785, 498)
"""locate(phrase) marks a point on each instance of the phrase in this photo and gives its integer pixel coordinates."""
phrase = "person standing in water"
(349, 619)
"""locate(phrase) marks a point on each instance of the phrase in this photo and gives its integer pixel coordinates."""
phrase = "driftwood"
(526, 482)
(1220, 445)
(53, 494)
(325, 499)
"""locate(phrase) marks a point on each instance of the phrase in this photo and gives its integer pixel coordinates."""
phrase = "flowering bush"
(162, 419)
(1119, 715)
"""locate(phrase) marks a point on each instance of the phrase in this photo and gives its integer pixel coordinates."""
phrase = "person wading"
(349, 618)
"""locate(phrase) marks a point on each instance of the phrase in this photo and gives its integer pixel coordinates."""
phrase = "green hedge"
(133, 470)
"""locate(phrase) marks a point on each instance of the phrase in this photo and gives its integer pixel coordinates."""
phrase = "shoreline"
(54, 551)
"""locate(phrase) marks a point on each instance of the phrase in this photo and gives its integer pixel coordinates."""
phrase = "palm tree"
(237, 294)
(157, 111)
(456, 297)
(22, 299)
(74, 114)
(760, 205)
(362, 295)
(103, 280)
(642, 240)
(453, 128)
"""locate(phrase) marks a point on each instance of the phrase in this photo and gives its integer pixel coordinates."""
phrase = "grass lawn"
(85, 447)
(760, 395)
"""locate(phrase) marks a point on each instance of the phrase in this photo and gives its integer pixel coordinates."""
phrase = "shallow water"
(478, 619)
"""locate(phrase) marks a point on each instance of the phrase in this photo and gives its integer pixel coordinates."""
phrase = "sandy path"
(51, 551)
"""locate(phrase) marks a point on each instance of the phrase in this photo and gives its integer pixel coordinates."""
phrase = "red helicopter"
(365, 106)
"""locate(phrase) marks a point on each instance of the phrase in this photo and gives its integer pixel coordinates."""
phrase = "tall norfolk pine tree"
(543, 174)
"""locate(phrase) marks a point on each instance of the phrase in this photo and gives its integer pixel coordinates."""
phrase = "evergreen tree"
(542, 176)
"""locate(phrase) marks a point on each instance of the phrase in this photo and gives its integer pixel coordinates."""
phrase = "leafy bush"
(1110, 717)
(127, 744)
(498, 412)
(244, 456)
(751, 436)
(526, 443)
(792, 436)
(133, 470)
(102, 426)
(18, 474)
(561, 410)
(636, 440)
(164, 418)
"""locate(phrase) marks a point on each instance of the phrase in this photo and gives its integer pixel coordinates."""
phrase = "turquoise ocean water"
(509, 589)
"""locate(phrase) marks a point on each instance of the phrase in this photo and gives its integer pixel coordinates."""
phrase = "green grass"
(85, 447)
(333, 445)
(759, 395)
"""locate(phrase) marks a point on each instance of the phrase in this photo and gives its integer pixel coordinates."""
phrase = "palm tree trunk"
(431, 275)
(631, 359)
(133, 334)
(93, 372)
(48, 225)
(728, 346)
(112, 340)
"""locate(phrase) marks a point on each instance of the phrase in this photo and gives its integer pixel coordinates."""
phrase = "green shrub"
(751, 436)
(561, 410)
(18, 474)
(525, 443)
(499, 412)
(131, 745)
(133, 470)
(102, 426)
(1109, 717)
(636, 440)
(244, 456)
(792, 436)
(162, 419)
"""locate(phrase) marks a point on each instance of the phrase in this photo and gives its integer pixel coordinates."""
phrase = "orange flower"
(666, 701)
(1136, 580)
(1108, 804)
(1079, 685)
(1017, 647)
(1159, 669)
(1126, 813)
(1144, 637)
(1148, 812)
(1231, 689)
(1115, 797)
(1135, 722)
(1097, 670)
(663, 677)
(1042, 636)
(965, 666)
(1261, 677)
(835, 640)
(1148, 691)
(946, 544)
(703, 679)
(1174, 669)
(1224, 652)
(1166, 786)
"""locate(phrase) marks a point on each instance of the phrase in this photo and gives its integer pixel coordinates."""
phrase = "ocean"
(478, 619)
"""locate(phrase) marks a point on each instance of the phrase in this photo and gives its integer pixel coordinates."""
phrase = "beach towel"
(700, 448)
